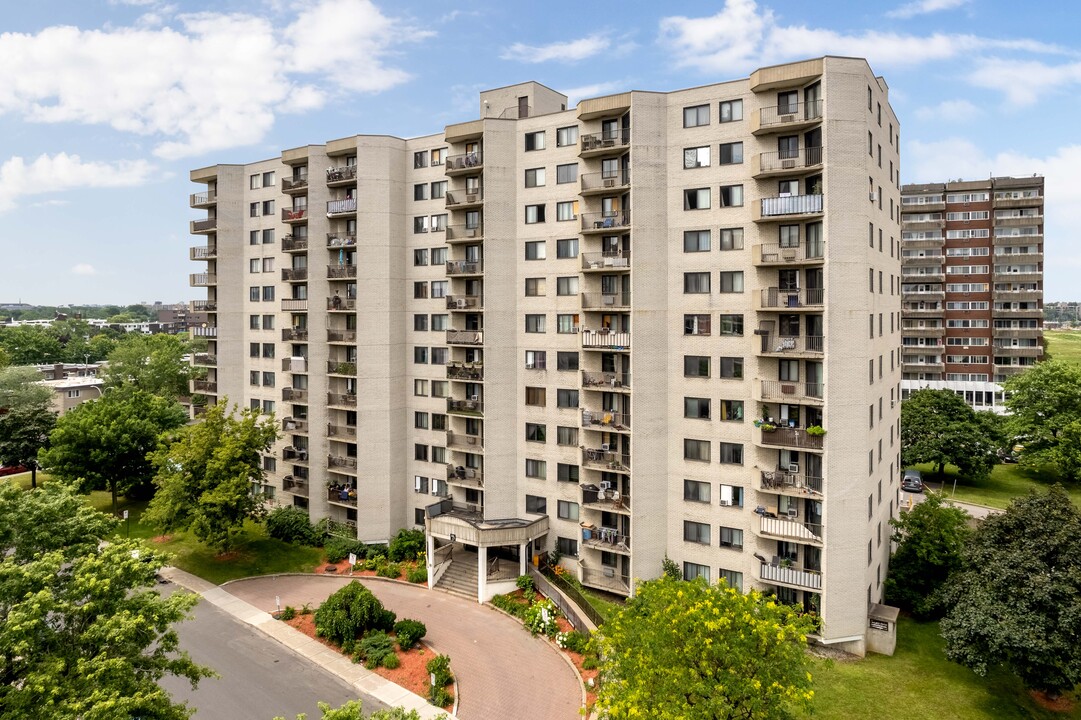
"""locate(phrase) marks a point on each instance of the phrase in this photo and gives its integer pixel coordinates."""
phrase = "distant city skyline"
(104, 113)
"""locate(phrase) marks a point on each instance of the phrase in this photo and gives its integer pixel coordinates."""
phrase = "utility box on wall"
(882, 629)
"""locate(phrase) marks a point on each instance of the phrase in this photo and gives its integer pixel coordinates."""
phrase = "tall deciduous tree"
(205, 478)
(1045, 415)
(83, 634)
(1017, 600)
(930, 538)
(690, 650)
(103, 443)
(154, 363)
(938, 426)
(19, 387)
(26, 418)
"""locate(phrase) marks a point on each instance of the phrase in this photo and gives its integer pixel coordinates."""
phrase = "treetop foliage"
(938, 426)
(1045, 415)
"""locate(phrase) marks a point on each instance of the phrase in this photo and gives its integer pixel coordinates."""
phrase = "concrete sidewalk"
(363, 680)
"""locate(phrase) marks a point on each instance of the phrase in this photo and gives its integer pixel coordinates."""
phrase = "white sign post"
(352, 562)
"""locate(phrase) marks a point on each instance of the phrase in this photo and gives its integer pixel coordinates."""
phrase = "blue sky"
(107, 104)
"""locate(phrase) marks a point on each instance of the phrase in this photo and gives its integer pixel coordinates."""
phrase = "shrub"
(306, 609)
(338, 549)
(440, 667)
(409, 632)
(374, 648)
(374, 562)
(291, 524)
(417, 574)
(573, 641)
(391, 662)
(440, 697)
(670, 568)
(540, 618)
(406, 545)
(524, 583)
(389, 570)
(509, 605)
(288, 613)
(349, 613)
(589, 663)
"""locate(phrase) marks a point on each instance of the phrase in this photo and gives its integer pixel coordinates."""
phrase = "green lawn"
(917, 683)
(1005, 483)
(1063, 345)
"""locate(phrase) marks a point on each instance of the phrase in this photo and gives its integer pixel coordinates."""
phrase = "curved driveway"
(501, 670)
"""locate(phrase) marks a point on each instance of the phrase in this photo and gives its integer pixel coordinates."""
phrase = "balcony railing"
(292, 243)
(201, 226)
(784, 344)
(594, 498)
(343, 173)
(294, 335)
(340, 461)
(464, 302)
(346, 399)
(775, 254)
(609, 260)
(341, 272)
(463, 197)
(205, 359)
(605, 140)
(465, 337)
(291, 215)
(792, 205)
(792, 298)
(605, 459)
(199, 306)
(606, 539)
(294, 274)
(608, 220)
(792, 529)
(341, 368)
(292, 454)
(465, 161)
(204, 386)
(809, 579)
(466, 232)
(606, 340)
(290, 424)
(341, 239)
(204, 252)
(465, 371)
(606, 380)
(786, 160)
(295, 304)
(203, 279)
(465, 407)
(461, 441)
(297, 486)
(203, 198)
(605, 301)
(792, 391)
(464, 267)
(207, 331)
(608, 579)
(346, 336)
(791, 482)
(342, 497)
(341, 431)
(344, 205)
(606, 180)
(790, 113)
(792, 437)
(293, 184)
(341, 303)
(605, 420)
(294, 395)
(466, 476)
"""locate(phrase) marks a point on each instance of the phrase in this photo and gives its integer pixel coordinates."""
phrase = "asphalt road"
(260, 678)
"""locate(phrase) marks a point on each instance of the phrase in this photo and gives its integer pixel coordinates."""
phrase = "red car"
(12, 470)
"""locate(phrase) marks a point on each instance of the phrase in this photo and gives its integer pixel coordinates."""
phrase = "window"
(566, 248)
(696, 365)
(696, 408)
(566, 173)
(439, 421)
(534, 141)
(693, 571)
(420, 388)
(534, 177)
(567, 285)
(420, 355)
(268, 236)
(253, 350)
(534, 323)
(731, 238)
(567, 361)
(268, 407)
(253, 293)
(439, 355)
(696, 199)
(254, 182)
(731, 154)
(731, 196)
(696, 116)
(566, 136)
(535, 396)
(731, 111)
(696, 325)
(268, 264)
(731, 496)
(420, 159)
(535, 360)
(567, 473)
(731, 453)
(696, 157)
(420, 420)
(420, 257)
(535, 250)
(253, 377)
(420, 484)
(268, 350)
(420, 191)
(536, 469)
(534, 214)
(268, 379)
(536, 504)
(730, 411)
(731, 282)
(567, 210)
(534, 287)
(567, 323)
(439, 256)
(253, 209)
(420, 290)
(731, 578)
(420, 224)
(420, 452)
(567, 510)
(731, 325)
(268, 207)
(695, 532)
(440, 388)
(731, 537)
(694, 491)
(439, 223)
(535, 432)
(568, 547)
(253, 237)
(696, 241)
(439, 189)
(696, 450)
(439, 322)
(439, 156)
(253, 322)
(695, 283)
(567, 436)
(253, 265)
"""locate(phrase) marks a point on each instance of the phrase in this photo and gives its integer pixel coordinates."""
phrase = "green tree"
(205, 478)
(83, 633)
(20, 387)
(691, 650)
(1045, 415)
(938, 426)
(26, 418)
(1016, 601)
(352, 711)
(103, 444)
(154, 363)
(930, 538)
(30, 344)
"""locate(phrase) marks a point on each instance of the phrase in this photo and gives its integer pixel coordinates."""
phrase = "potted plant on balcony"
(816, 431)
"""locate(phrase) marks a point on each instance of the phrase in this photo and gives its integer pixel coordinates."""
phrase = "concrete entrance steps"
(460, 577)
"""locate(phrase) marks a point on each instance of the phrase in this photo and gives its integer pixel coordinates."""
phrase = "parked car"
(912, 481)
(6, 470)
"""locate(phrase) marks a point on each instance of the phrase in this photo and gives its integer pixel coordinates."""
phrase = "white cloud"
(60, 172)
(569, 51)
(1023, 82)
(954, 111)
(206, 81)
(574, 95)
(924, 7)
(84, 269)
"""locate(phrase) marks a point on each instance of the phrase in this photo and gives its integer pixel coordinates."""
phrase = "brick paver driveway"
(502, 671)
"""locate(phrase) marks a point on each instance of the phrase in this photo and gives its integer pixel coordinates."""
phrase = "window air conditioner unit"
(791, 512)
(471, 440)
(609, 299)
(470, 198)
(788, 389)
(609, 182)
(471, 232)
(604, 447)
(530, 366)
(793, 467)
(873, 196)
(474, 398)
(787, 118)
(726, 503)
(605, 485)
(608, 572)
(460, 303)
(788, 164)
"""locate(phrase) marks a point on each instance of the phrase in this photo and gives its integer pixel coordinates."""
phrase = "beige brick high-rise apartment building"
(972, 285)
(651, 324)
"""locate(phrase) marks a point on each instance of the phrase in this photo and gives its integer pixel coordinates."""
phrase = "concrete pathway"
(978, 512)
(364, 681)
(501, 670)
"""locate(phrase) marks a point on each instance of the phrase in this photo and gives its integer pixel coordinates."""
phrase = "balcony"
(1017, 332)
(791, 576)
(295, 304)
(606, 301)
(203, 280)
(786, 118)
(342, 336)
(341, 272)
(802, 254)
(464, 164)
(790, 483)
(465, 303)
(292, 244)
(464, 268)
(786, 346)
(297, 486)
(204, 252)
(606, 539)
(207, 331)
(937, 223)
(923, 277)
(204, 386)
(461, 441)
(294, 335)
(342, 175)
(464, 199)
(792, 207)
(465, 337)
(605, 182)
(607, 261)
(348, 400)
(295, 455)
(299, 215)
(294, 395)
(341, 239)
(294, 274)
(202, 306)
(923, 332)
(345, 496)
(787, 162)
(204, 199)
(342, 207)
(933, 259)
(1031, 312)
(602, 340)
(603, 458)
(201, 227)
(792, 299)
(342, 462)
(1019, 202)
(295, 185)
(605, 500)
(342, 431)
(606, 421)
(925, 296)
(925, 243)
(787, 529)
(346, 369)
(606, 381)
(465, 233)
(607, 142)
(340, 304)
(296, 425)
(802, 393)
(472, 407)
(607, 579)
(1018, 257)
(605, 222)
(791, 437)
(465, 477)
(467, 372)
(1018, 220)
(1025, 352)
(922, 367)
(204, 360)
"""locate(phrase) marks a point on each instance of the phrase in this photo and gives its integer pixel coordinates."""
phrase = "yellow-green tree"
(692, 650)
